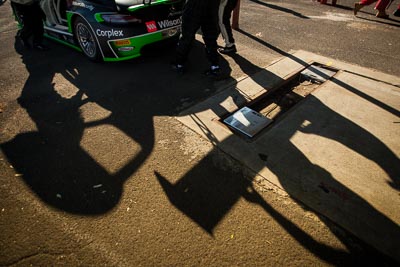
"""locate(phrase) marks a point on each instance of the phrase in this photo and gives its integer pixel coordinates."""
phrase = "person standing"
(380, 6)
(224, 15)
(199, 14)
(32, 16)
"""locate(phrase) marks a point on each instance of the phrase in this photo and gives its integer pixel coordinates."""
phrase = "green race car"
(111, 30)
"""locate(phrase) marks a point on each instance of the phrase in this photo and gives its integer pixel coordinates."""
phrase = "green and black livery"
(111, 30)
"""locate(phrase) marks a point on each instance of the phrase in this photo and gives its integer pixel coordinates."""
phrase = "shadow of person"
(263, 77)
(316, 187)
(387, 21)
(51, 160)
(207, 195)
(282, 9)
(207, 198)
(54, 159)
(204, 195)
(353, 137)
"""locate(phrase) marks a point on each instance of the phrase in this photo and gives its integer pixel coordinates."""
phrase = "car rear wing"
(133, 5)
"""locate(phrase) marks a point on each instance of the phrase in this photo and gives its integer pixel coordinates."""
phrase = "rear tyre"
(86, 39)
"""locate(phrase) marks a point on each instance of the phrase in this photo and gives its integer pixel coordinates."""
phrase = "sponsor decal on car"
(151, 26)
(122, 42)
(163, 24)
(110, 33)
(80, 4)
(169, 23)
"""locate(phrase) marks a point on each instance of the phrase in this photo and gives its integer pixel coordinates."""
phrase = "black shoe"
(397, 13)
(41, 47)
(214, 71)
(228, 50)
(178, 68)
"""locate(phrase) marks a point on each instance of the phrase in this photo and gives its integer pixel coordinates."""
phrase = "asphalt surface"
(90, 151)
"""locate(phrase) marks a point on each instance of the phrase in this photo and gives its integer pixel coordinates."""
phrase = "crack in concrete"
(33, 255)
(48, 253)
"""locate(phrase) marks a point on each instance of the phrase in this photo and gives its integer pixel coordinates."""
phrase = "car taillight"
(120, 19)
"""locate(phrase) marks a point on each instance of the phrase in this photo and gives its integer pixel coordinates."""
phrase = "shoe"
(214, 71)
(228, 50)
(41, 47)
(382, 15)
(396, 13)
(178, 68)
(357, 7)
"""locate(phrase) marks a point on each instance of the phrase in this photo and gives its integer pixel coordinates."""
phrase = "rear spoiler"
(133, 5)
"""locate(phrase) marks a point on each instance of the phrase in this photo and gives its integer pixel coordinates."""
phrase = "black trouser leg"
(210, 31)
(190, 25)
(37, 24)
(23, 13)
(32, 16)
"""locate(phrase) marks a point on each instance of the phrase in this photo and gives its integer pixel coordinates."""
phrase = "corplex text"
(110, 33)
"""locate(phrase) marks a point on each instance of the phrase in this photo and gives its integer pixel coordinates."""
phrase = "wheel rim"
(86, 40)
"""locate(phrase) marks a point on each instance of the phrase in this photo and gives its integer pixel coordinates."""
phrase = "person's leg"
(190, 25)
(225, 24)
(211, 47)
(381, 7)
(361, 4)
(397, 12)
(37, 24)
(224, 16)
(221, 24)
(209, 27)
(25, 15)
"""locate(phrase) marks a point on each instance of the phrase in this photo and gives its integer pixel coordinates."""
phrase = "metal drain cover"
(247, 121)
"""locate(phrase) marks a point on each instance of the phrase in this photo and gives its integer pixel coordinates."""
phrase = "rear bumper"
(129, 48)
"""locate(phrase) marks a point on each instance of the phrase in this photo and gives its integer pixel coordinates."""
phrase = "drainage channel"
(266, 110)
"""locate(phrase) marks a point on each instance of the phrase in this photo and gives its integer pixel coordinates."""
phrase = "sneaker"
(41, 47)
(213, 71)
(178, 68)
(228, 50)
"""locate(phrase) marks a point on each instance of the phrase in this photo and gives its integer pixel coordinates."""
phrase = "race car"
(111, 30)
